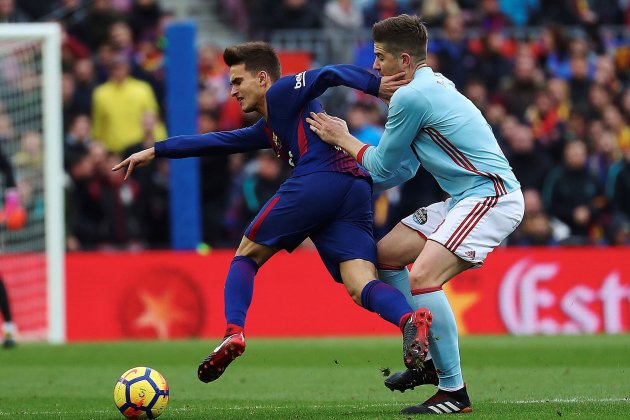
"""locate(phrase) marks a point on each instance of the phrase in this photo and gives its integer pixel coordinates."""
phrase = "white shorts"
(473, 227)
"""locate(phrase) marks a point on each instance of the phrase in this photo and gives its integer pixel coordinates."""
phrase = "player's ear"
(262, 78)
(406, 60)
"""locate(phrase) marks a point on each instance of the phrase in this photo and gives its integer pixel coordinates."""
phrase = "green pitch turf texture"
(508, 377)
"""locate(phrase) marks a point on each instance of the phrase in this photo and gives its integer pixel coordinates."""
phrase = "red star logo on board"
(160, 312)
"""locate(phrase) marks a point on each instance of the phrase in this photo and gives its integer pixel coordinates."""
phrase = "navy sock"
(386, 301)
(239, 288)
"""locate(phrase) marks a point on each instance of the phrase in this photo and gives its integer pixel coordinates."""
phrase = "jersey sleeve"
(405, 171)
(409, 112)
(216, 143)
(291, 93)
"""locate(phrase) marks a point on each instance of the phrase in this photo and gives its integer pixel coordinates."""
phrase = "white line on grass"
(567, 400)
(317, 406)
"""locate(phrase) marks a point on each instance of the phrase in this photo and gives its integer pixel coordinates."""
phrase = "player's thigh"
(355, 274)
(435, 266)
(301, 206)
(400, 247)
(348, 235)
(257, 252)
(404, 243)
(475, 226)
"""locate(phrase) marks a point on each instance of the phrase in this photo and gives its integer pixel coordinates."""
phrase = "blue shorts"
(332, 208)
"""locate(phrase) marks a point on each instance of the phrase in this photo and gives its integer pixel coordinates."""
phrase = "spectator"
(456, 61)
(213, 73)
(214, 185)
(615, 122)
(72, 49)
(603, 155)
(121, 39)
(96, 27)
(618, 232)
(554, 51)
(360, 126)
(342, 20)
(71, 13)
(118, 107)
(598, 99)
(144, 19)
(383, 9)
(79, 133)
(529, 163)
(491, 17)
(571, 193)
(543, 117)
(118, 200)
(262, 182)
(579, 81)
(85, 83)
(520, 12)
(557, 11)
(83, 213)
(294, 14)
(492, 65)
(152, 196)
(536, 228)
(527, 79)
(69, 106)
(618, 186)
(342, 14)
(434, 12)
(11, 14)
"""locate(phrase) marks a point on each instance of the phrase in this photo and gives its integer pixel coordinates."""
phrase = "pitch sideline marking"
(258, 407)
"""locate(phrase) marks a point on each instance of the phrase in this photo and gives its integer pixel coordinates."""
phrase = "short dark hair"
(403, 33)
(257, 56)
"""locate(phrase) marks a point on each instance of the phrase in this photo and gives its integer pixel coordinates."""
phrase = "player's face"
(246, 88)
(385, 62)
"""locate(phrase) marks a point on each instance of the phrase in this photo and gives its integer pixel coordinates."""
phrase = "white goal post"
(46, 36)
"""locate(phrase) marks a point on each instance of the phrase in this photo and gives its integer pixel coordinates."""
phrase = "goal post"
(41, 44)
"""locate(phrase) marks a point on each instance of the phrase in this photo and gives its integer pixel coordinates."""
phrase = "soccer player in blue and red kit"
(328, 196)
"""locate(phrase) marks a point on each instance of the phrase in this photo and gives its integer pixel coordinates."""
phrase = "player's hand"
(136, 160)
(330, 129)
(390, 84)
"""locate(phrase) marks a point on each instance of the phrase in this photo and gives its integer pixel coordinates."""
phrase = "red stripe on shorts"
(261, 218)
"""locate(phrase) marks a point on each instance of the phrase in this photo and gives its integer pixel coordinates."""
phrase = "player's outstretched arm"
(136, 160)
(303, 87)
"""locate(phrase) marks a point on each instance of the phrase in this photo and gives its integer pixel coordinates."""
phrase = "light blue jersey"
(431, 123)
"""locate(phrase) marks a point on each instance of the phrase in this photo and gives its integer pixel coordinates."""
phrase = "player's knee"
(386, 257)
(421, 278)
(356, 296)
(257, 252)
(354, 289)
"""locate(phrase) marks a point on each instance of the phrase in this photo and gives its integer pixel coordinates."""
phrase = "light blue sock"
(443, 340)
(400, 280)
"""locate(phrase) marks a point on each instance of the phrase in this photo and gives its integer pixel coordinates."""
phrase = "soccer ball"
(141, 393)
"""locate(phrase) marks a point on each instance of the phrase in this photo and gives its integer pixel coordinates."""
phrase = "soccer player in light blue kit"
(430, 123)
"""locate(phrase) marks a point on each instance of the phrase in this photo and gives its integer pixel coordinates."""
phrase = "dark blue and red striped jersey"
(289, 101)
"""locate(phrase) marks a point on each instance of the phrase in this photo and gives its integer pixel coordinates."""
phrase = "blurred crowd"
(556, 94)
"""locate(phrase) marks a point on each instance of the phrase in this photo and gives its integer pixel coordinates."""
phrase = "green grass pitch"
(584, 377)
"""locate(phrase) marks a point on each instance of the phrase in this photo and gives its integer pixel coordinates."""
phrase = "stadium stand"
(552, 79)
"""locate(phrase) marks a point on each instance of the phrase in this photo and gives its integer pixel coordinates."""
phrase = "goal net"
(31, 254)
